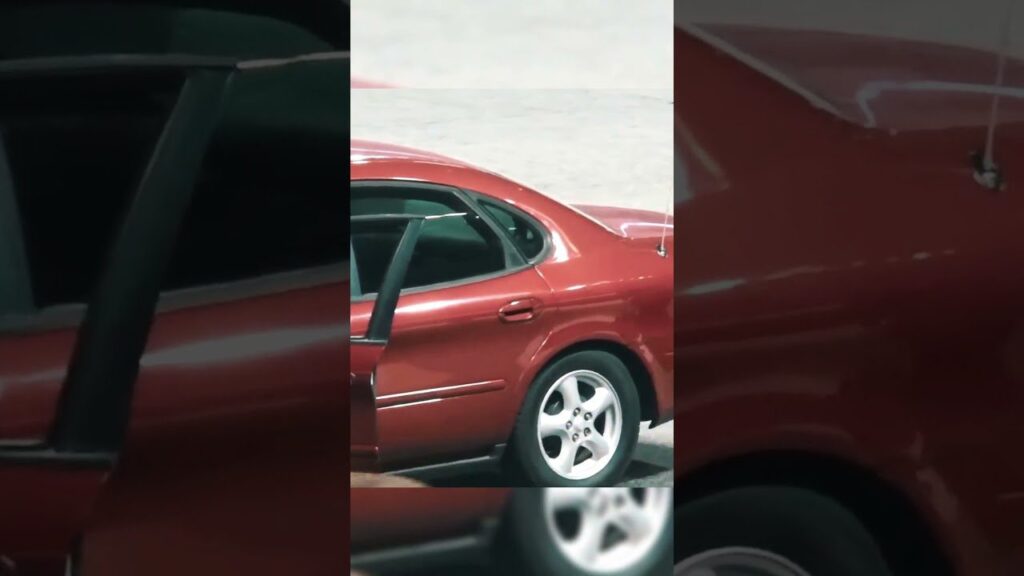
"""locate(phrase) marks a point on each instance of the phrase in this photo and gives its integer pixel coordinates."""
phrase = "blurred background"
(513, 43)
(611, 147)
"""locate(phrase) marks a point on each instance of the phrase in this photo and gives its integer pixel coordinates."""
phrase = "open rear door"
(149, 76)
(51, 477)
(372, 236)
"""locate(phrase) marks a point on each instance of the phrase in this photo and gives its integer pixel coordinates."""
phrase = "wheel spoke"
(599, 402)
(576, 424)
(568, 498)
(552, 424)
(563, 463)
(598, 445)
(570, 391)
(634, 520)
(587, 544)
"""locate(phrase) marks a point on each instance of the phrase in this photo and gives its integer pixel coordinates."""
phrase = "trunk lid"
(629, 222)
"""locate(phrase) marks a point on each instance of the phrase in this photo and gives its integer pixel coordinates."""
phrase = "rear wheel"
(773, 531)
(579, 422)
(589, 531)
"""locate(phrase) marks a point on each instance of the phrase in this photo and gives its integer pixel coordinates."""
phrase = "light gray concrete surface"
(653, 463)
(606, 147)
(513, 43)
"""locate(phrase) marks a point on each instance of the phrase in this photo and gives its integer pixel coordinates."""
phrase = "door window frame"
(15, 285)
(480, 200)
(94, 407)
(378, 330)
(515, 262)
(18, 312)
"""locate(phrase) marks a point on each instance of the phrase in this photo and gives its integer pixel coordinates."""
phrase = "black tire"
(528, 550)
(811, 531)
(529, 466)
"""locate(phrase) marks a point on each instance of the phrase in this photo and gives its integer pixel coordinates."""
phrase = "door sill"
(474, 548)
(481, 464)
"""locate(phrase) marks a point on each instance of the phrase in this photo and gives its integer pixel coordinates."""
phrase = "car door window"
(524, 233)
(75, 149)
(353, 273)
(267, 200)
(456, 243)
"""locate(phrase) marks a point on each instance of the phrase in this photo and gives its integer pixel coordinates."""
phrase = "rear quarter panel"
(619, 291)
(853, 293)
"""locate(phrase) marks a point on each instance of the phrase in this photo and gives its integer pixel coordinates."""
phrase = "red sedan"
(851, 306)
(521, 322)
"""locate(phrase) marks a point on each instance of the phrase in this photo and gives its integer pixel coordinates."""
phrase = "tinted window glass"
(455, 243)
(372, 246)
(76, 149)
(524, 234)
(268, 198)
(355, 285)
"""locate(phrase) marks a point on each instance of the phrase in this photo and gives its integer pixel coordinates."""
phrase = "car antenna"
(986, 171)
(662, 249)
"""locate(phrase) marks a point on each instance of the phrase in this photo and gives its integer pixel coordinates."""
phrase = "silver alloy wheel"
(604, 530)
(586, 432)
(738, 561)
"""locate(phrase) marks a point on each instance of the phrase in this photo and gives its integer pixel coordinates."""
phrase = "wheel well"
(637, 370)
(909, 544)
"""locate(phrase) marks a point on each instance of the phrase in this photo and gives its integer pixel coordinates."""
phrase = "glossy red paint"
(32, 369)
(387, 517)
(595, 285)
(235, 442)
(851, 293)
(237, 403)
(41, 524)
(363, 358)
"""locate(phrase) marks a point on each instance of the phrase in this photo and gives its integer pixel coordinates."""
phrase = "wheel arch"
(642, 377)
(909, 543)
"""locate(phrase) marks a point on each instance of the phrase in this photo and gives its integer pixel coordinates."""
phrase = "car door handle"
(522, 310)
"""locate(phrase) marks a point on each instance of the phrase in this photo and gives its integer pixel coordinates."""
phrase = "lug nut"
(576, 412)
(586, 431)
(568, 425)
(587, 416)
(575, 437)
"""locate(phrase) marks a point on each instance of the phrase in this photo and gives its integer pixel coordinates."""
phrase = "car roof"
(396, 162)
(364, 151)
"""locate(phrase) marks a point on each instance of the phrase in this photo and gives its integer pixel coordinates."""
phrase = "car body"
(849, 291)
(462, 355)
(435, 530)
(169, 380)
